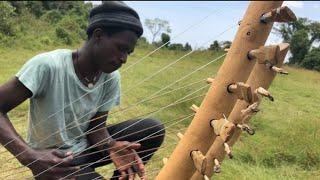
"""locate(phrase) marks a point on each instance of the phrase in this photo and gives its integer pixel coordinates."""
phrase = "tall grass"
(286, 143)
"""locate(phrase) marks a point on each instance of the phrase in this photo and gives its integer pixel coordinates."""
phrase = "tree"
(157, 26)
(215, 46)
(187, 47)
(299, 46)
(165, 39)
(302, 36)
(286, 30)
(312, 59)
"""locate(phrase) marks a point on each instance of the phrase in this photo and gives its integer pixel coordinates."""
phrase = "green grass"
(286, 143)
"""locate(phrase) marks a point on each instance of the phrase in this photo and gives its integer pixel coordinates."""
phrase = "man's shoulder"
(51, 55)
(49, 59)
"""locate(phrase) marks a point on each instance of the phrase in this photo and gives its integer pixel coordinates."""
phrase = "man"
(70, 95)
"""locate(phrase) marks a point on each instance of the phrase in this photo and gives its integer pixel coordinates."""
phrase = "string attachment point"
(228, 150)
(246, 128)
(216, 167)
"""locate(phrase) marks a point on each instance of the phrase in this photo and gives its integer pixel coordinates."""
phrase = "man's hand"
(47, 160)
(127, 160)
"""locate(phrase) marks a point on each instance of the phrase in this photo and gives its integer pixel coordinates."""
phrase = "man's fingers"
(66, 161)
(139, 164)
(131, 174)
(123, 175)
(134, 146)
(61, 154)
(65, 170)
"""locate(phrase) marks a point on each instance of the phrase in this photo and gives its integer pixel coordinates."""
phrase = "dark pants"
(146, 127)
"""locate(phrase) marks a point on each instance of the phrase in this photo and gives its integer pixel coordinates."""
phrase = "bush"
(69, 31)
(63, 35)
(176, 46)
(53, 16)
(312, 60)
(6, 22)
(46, 40)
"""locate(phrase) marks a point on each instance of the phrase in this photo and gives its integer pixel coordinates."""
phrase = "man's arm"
(98, 134)
(12, 94)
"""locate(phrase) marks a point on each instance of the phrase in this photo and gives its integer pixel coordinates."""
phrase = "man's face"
(112, 51)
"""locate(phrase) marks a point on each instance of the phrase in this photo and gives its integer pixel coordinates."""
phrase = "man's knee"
(156, 129)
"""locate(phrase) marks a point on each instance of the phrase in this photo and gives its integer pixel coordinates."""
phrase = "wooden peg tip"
(228, 150)
(210, 80)
(263, 92)
(194, 108)
(246, 128)
(180, 135)
(216, 167)
(165, 160)
(279, 70)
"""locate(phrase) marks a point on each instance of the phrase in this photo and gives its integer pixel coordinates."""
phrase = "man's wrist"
(26, 156)
(108, 144)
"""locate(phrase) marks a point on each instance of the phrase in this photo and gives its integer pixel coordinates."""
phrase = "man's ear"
(97, 34)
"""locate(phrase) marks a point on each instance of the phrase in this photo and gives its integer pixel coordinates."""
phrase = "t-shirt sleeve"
(111, 97)
(34, 74)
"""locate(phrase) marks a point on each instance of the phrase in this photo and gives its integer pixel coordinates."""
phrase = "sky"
(201, 22)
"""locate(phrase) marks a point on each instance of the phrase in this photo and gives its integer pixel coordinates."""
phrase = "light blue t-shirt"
(55, 105)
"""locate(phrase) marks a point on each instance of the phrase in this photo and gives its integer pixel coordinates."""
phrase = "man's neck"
(83, 63)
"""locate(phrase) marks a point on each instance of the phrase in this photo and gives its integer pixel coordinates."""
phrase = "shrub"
(312, 59)
(6, 22)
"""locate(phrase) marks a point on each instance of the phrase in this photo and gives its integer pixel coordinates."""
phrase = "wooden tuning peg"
(199, 161)
(281, 14)
(216, 167)
(194, 108)
(180, 135)
(279, 70)
(228, 150)
(260, 91)
(165, 160)
(246, 128)
(249, 111)
(241, 90)
(265, 54)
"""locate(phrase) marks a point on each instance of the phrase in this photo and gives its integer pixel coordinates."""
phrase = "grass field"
(287, 140)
